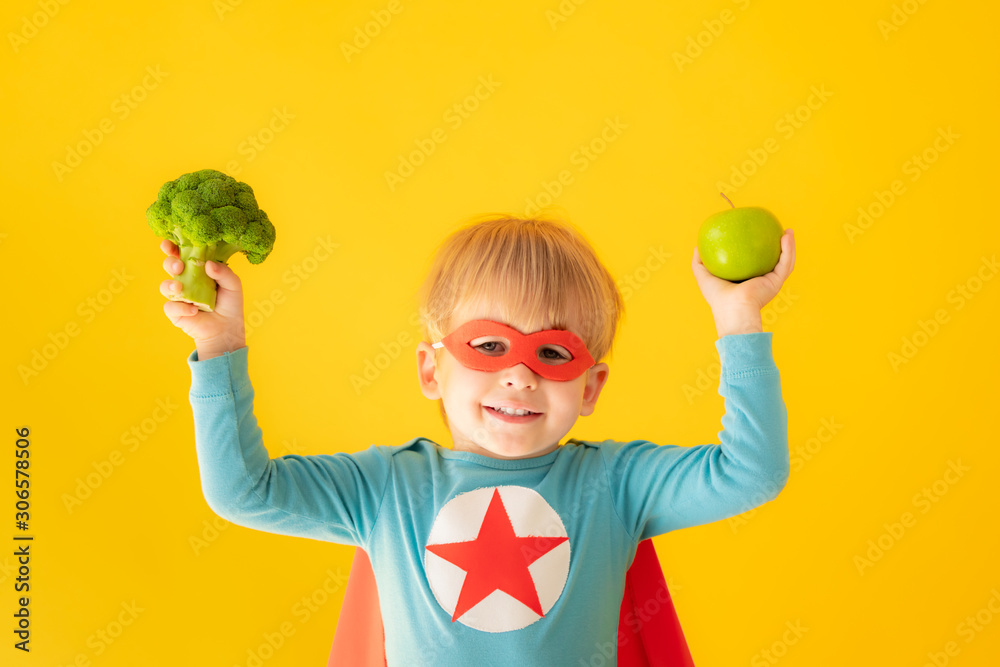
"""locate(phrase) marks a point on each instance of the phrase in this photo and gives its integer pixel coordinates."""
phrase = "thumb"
(697, 266)
(223, 275)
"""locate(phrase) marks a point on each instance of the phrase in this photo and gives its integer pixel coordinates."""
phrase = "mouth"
(516, 419)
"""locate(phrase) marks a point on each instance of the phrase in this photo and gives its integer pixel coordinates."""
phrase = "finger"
(176, 311)
(699, 268)
(791, 244)
(168, 246)
(787, 258)
(224, 276)
(172, 265)
(696, 260)
(170, 288)
(789, 250)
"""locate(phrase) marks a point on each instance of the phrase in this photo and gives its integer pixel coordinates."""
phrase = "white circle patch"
(497, 558)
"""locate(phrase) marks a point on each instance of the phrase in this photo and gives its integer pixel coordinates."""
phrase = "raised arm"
(659, 488)
(326, 497)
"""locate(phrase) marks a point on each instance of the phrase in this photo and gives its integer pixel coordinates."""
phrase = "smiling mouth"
(509, 414)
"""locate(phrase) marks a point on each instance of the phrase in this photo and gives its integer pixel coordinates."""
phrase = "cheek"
(571, 400)
(467, 385)
(566, 401)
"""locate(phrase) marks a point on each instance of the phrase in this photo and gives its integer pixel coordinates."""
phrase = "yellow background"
(867, 438)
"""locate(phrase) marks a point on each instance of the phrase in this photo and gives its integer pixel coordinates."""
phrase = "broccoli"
(210, 216)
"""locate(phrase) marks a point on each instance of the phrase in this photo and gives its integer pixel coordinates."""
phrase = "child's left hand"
(724, 296)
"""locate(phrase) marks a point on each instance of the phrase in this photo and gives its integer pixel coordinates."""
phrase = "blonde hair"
(537, 270)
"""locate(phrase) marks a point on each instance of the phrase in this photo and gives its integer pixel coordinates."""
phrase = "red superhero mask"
(527, 349)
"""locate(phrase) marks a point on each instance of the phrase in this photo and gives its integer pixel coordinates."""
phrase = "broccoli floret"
(210, 216)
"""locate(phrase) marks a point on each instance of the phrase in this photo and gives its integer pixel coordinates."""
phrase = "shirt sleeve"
(660, 488)
(335, 498)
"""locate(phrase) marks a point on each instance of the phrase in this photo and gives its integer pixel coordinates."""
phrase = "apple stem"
(727, 199)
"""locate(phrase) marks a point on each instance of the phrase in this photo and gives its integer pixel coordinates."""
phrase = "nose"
(519, 376)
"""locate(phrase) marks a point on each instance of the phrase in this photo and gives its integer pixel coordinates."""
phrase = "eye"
(491, 346)
(557, 354)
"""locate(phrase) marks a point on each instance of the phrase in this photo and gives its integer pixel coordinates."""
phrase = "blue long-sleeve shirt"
(483, 561)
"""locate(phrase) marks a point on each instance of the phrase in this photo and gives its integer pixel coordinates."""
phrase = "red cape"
(649, 633)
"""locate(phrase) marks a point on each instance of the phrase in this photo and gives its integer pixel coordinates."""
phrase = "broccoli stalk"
(196, 286)
(209, 216)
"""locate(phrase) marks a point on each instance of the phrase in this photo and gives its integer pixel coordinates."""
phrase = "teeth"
(517, 413)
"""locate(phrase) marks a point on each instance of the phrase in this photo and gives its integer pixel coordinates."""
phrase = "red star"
(496, 560)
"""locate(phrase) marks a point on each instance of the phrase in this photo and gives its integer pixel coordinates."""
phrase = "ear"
(597, 376)
(427, 371)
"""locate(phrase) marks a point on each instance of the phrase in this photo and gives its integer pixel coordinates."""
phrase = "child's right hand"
(214, 333)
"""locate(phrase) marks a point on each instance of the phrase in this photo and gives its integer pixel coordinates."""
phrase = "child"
(507, 548)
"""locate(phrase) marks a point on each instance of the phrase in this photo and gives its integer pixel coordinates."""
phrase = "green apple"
(740, 243)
